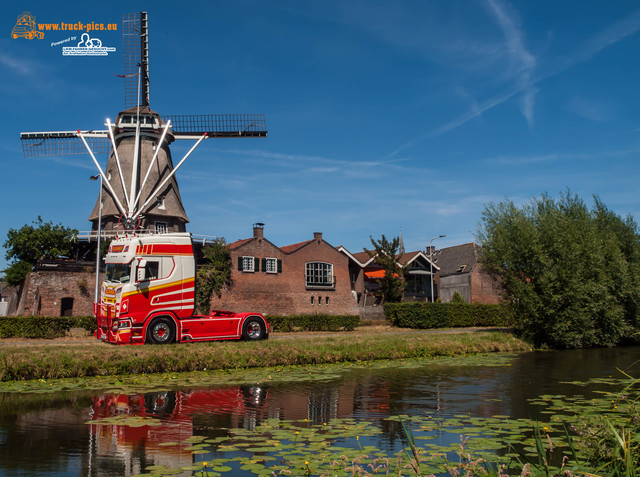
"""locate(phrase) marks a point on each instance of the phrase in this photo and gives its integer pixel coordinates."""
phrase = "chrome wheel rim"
(254, 330)
(161, 332)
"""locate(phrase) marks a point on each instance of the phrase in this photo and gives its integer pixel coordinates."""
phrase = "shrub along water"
(570, 274)
(43, 326)
(313, 322)
(446, 315)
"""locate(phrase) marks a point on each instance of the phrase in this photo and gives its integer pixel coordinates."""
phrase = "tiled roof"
(362, 257)
(238, 243)
(365, 259)
(295, 246)
(405, 257)
(452, 259)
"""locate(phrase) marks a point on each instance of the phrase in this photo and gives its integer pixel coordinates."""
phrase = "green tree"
(457, 298)
(213, 275)
(30, 243)
(385, 254)
(570, 274)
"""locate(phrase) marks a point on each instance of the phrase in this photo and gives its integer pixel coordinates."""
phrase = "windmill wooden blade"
(218, 125)
(139, 179)
(135, 53)
(62, 143)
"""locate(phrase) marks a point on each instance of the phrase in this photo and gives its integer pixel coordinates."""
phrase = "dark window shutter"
(256, 264)
(279, 266)
(264, 264)
(240, 263)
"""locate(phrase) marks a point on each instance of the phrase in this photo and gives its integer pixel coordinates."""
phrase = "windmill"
(139, 183)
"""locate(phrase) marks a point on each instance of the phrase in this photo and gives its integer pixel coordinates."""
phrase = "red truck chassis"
(167, 328)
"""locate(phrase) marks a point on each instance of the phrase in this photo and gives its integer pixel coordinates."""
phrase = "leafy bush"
(43, 327)
(213, 275)
(446, 315)
(570, 274)
(34, 327)
(457, 298)
(313, 322)
(89, 323)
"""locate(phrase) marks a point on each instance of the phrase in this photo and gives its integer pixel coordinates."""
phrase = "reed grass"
(42, 361)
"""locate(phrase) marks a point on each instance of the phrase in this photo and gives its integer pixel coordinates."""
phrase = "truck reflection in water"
(174, 416)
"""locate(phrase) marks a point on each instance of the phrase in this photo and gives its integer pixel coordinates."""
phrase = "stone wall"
(59, 290)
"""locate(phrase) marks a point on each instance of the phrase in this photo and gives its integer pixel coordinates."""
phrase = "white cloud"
(16, 65)
(607, 37)
(523, 63)
(556, 157)
(592, 109)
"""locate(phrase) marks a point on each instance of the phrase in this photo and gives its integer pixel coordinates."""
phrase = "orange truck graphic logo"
(25, 27)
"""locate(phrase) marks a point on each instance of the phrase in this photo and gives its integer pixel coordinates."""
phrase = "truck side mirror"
(141, 272)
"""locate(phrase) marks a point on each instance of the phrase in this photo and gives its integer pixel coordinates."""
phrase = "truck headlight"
(119, 325)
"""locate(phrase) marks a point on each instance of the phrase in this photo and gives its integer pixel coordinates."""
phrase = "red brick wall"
(48, 288)
(286, 293)
(484, 289)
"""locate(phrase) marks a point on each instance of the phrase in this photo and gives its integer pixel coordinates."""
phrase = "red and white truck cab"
(148, 296)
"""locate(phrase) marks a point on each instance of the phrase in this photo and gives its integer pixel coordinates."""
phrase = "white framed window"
(319, 274)
(271, 265)
(248, 264)
(161, 227)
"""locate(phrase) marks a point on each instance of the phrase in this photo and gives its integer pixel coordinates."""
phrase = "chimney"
(258, 230)
(317, 235)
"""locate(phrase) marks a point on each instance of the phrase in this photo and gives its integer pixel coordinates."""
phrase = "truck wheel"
(253, 329)
(161, 331)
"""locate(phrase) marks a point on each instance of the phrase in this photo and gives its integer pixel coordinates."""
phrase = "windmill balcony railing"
(92, 235)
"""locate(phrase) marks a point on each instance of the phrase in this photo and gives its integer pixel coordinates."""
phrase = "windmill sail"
(62, 143)
(139, 184)
(218, 125)
(135, 53)
(166, 211)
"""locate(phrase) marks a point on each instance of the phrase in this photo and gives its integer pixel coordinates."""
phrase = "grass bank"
(34, 361)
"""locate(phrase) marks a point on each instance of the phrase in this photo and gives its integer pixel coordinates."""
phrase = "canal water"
(69, 433)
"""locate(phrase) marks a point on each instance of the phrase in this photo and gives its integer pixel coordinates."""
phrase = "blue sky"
(382, 115)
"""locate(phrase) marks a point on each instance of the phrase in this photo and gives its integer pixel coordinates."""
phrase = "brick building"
(461, 271)
(58, 288)
(303, 278)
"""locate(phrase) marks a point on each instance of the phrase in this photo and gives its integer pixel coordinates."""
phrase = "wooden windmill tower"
(140, 190)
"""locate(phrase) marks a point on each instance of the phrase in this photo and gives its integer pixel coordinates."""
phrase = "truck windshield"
(118, 272)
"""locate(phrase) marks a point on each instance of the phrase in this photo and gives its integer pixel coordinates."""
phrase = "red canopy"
(375, 274)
